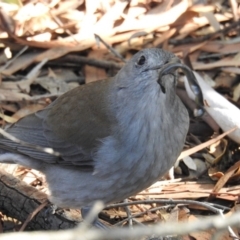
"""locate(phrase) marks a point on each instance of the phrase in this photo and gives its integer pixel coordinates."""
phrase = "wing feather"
(73, 125)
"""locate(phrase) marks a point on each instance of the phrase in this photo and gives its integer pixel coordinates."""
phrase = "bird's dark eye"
(141, 60)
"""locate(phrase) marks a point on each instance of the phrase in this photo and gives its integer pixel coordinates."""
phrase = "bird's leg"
(85, 211)
(129, 215)
(51, 209)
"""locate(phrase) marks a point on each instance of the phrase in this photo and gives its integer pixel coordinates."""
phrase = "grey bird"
(115, 137)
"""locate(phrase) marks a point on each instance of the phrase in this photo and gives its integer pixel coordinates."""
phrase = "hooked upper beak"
(171, 67)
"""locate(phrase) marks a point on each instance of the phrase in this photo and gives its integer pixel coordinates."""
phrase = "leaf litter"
(48, 48)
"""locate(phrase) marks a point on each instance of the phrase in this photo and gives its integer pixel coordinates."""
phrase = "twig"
(129, 214)
(165, 229)
(234, 6)
(33, 214)
(91, 61)
(91, 216)
(232, 233)
(112, 50)
(215, 55)
(8, 63)
(168, 201)
(142, 213)
(202, 204)
(44, 96)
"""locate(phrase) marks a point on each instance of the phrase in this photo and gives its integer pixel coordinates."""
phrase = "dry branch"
(166, 229)
(19, 200)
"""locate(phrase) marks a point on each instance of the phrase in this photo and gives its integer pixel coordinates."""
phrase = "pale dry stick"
(31, 76)
(230, 230)
(35, 71)
(129, 214)
(61, 25)
(112, 50)
(126, 233)
(59, 22)
(71, 58)
(44, 96)
(168, 201)
(91, 216)
(15, 57)
(234, 6)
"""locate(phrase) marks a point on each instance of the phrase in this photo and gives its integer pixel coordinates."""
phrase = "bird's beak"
(171, 67)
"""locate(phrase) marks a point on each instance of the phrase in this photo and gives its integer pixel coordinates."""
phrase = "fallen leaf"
(219, 108)
(233, 171)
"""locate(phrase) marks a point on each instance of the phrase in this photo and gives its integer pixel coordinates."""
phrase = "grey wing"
(58, 127)
(29, 130)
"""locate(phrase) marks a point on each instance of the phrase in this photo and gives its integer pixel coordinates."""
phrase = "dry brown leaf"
(104, 27)
(221, 47)
(7, 119)
(208, 234)
(212, 20)
(79, 20)
(12, 86)
(136, 11)
(157, 20)
(214, 173)
(234, 209)
(20, 63)
(225, 80)
(189, 190)
(163, 214)
(174, 214)
(218, 149)
(56, 82)
(93, 73)
(58, 52)
(13, 96)
(231, 70)
(183, 214)
(200, 8)
(201, 235)
(221, 63)
(203, 145)
(11, 107)
(233, 172)
(165, 36)
(31, 108)
(198, 22)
